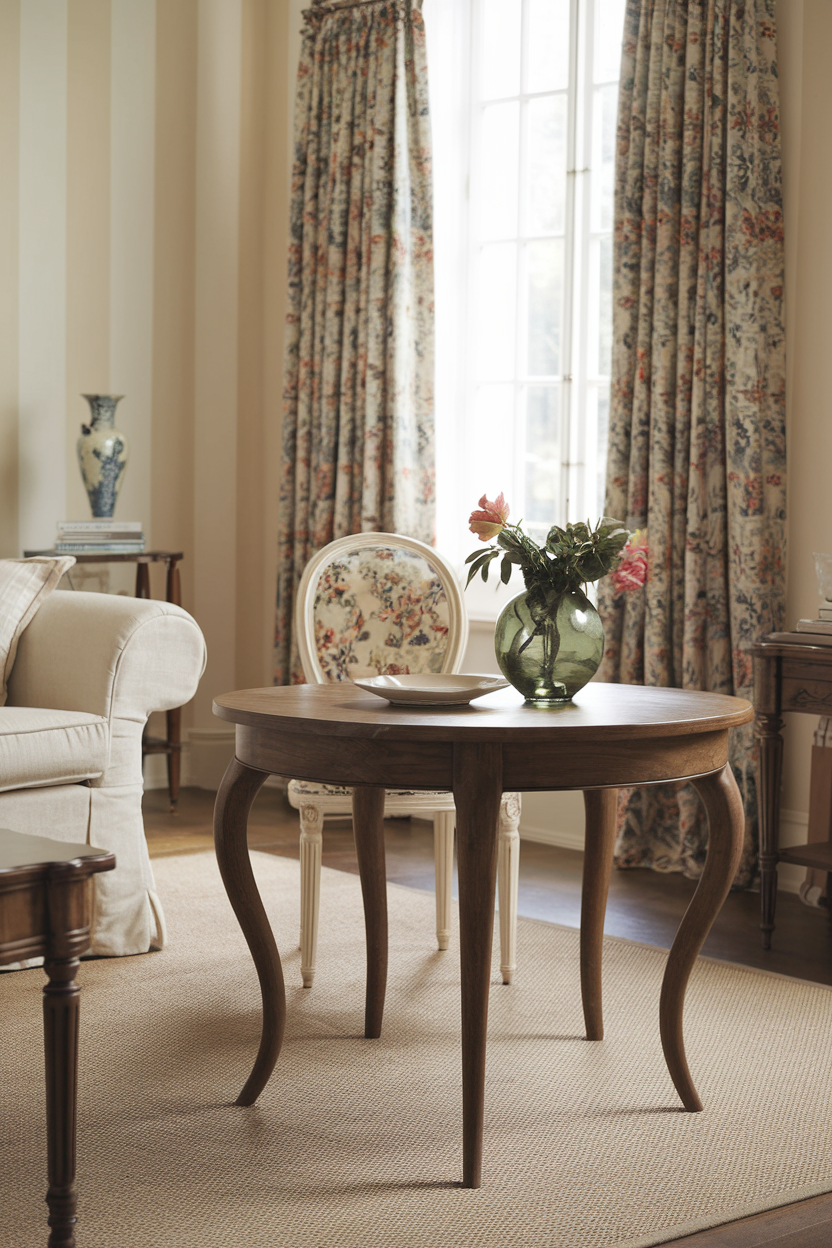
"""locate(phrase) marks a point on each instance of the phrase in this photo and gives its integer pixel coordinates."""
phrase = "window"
(523, 100)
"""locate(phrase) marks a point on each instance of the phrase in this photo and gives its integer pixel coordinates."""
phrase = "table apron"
(425, 764)
(35, 918)
(806, 694)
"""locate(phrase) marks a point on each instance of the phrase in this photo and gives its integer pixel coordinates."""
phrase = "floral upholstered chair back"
(378, 604)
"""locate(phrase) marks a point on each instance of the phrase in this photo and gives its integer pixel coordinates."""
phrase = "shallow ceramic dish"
(432, 690)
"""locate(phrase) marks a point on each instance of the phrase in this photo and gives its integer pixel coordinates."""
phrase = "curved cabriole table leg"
(239, 787)
(723, 804)
(478, 792)
(601, 806)
(368, 830)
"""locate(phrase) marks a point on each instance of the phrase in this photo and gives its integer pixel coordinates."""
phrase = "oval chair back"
(374, 604)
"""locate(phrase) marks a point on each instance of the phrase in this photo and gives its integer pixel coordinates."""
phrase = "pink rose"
(489, 521)
(631, 572)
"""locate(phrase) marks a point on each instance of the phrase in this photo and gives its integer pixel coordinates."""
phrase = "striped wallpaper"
(144, 155)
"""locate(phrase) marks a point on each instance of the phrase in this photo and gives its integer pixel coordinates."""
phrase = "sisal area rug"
(357, 1142)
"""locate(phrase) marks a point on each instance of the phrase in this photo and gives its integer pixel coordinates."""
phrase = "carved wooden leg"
(723, 804)
(173, 593)
(60, 1035)
(601, 806)
(174, 738)
(238, 789)
(508, 872)
(311, 840)
(368, 829)
(443, 855)
(767, 730)
(142, 580)
(478, 789)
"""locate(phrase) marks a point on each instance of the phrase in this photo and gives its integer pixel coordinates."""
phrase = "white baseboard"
(564, 837)
(794, 827)
(793, 831)
(156, 772)
(205, 756)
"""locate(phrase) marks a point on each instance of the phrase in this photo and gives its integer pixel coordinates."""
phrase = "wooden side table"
(611, 736)
(171, 743)
(790, 674)
(46, 910)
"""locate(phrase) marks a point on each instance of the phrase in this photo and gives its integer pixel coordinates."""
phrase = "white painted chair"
(375, 604)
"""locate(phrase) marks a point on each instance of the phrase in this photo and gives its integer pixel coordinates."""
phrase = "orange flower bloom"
(491, 519)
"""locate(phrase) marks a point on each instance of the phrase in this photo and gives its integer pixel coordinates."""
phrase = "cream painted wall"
(144, 149)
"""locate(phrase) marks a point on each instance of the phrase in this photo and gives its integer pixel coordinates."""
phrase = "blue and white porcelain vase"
(102, 454)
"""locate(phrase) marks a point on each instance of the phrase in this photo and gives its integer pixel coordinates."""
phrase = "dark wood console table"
(171, 744)
(790, 674)
(46, 910)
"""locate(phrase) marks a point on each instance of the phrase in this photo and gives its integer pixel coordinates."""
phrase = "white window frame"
(453, 28)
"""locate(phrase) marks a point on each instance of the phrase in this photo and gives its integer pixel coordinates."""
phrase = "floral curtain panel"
(358, 445)
(697, 451)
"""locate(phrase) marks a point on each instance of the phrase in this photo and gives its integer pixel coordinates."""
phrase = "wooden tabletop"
(600, 710)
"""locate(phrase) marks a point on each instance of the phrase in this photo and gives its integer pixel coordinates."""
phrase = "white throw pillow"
(24, 585)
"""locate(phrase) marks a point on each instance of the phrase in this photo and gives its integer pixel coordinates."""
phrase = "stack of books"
(100, 537)
(821, 628)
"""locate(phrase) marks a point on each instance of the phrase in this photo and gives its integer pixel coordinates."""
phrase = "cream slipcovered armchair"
(88, 671)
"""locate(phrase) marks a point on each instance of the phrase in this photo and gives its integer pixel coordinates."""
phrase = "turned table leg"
(238, 789)
(767, 729)
(601, 806)
(368, 830)
(60, 1036)
(173, 593)
(478, 789)
(723, 805)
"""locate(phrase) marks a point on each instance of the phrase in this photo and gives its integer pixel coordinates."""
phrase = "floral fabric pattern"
(380, 612)
(358, 441)
(697, 448)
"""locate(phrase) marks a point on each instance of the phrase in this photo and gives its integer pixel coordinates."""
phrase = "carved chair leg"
(508, 872)
(443, 854)
(311, 829)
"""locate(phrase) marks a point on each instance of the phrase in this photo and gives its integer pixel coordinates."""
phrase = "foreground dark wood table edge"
(477, 785)
(46, 910)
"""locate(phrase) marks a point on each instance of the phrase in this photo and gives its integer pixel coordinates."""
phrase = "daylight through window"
(523, 100)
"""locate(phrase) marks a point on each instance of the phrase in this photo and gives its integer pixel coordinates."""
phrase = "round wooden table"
(611, 736)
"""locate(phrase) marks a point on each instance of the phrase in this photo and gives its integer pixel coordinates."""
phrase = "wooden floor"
(643, 906)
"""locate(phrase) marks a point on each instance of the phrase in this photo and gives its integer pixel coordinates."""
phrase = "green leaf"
(483, 557)
(505, 569)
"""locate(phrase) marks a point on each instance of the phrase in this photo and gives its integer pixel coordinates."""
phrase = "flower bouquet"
(549, 640)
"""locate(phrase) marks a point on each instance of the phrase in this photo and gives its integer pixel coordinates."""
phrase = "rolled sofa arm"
(107, 655)
(120, 658)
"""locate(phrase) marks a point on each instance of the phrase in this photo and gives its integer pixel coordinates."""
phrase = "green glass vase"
(549, 652)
